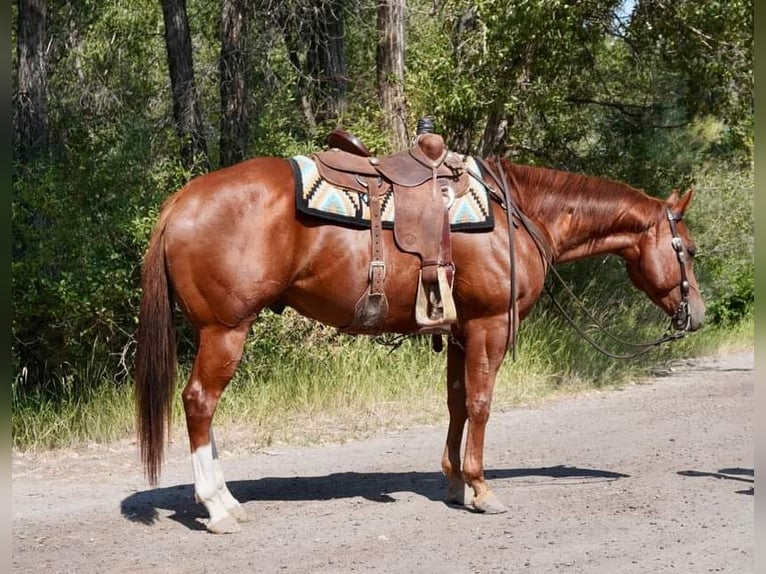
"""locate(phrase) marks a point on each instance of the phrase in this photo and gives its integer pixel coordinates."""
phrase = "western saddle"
(425, 179)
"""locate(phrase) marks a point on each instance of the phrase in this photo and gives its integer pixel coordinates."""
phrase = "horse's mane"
(549, 192)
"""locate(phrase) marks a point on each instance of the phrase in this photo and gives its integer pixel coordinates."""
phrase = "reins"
(530, 227)
(642, 347)
(502, 183)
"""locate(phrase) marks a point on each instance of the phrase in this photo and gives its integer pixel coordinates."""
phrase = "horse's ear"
(679, 205)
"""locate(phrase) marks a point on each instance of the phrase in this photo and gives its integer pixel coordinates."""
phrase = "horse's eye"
(691, 250)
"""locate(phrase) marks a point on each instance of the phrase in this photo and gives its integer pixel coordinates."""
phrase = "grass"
(327, 387)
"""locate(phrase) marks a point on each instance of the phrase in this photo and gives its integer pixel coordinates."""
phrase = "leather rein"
(506, 201)
(681, 319)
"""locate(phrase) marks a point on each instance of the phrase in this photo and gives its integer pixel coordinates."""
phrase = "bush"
(80, 224)
(722, 222)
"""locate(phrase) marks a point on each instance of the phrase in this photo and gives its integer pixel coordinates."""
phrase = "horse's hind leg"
(218, 353)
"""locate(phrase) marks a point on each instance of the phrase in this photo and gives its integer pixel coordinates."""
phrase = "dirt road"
(654, 478)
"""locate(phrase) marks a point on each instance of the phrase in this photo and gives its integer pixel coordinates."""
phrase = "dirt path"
(656, 477)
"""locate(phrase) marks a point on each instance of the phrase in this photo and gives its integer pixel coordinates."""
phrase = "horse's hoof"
(459, 494)
(226, 525)
(489, 504)
(239, 514)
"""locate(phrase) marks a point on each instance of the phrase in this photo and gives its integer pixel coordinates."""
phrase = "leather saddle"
(425, 179)
(410, 168)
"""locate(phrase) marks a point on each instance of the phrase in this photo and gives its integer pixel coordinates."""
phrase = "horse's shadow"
(734, 474)
(374, 486)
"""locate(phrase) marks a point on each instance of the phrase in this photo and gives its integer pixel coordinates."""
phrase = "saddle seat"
(425, 179)
(409, 168)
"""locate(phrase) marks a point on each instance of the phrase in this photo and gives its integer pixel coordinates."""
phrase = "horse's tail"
(155, 353)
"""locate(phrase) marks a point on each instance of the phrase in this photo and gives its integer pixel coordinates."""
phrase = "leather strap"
(377, 264)
(502, 182)
(372, 307)
(446, 247)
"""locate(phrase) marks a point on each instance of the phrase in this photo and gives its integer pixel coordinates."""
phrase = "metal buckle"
(373, 264)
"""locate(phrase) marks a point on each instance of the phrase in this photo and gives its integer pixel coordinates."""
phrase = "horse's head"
(660, 264)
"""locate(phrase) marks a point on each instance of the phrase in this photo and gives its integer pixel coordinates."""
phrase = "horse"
(231, 243)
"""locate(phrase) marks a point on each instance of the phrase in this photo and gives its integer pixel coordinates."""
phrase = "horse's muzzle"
(689, 316)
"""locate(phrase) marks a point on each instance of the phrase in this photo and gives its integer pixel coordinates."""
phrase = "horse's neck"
(582, 215)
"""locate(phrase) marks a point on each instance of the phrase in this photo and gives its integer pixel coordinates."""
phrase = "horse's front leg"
(485, 347)
(457, 490)
(218, 355)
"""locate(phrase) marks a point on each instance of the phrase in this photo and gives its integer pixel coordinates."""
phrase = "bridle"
(681, 319)
(679, 322)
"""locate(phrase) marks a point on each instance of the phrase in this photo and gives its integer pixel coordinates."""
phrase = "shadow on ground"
(736, 474)
(375, 486)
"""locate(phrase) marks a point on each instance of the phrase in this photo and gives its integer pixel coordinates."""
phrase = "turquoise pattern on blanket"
(315, 196)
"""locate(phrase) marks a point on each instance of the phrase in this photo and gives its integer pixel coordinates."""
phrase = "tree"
(186, 108)
(702, 54)
(512, 66)
(315, 38)
(233, 70)
(326, 59)
(31, 117)
(390, 68)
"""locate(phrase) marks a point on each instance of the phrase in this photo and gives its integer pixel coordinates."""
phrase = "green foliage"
(334, 387)
(704, 50)
(723, 222)
(75, 269)
(736, 302)
(571, 86)
(518, 60)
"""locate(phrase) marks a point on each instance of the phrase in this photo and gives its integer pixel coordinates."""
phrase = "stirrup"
(444, 296)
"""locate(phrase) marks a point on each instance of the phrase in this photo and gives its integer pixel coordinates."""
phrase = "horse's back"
(232, 191)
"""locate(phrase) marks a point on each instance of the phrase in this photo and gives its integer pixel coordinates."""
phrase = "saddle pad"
(315, 196)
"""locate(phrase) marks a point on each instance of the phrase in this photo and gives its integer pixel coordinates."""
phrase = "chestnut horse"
(231, 243)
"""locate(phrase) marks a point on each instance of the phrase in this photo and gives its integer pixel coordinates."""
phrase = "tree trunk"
(291, 34)
(326, 60)
(233, 69)
(494, 131)
(186, 110)
(31, 117)
(390, 69)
